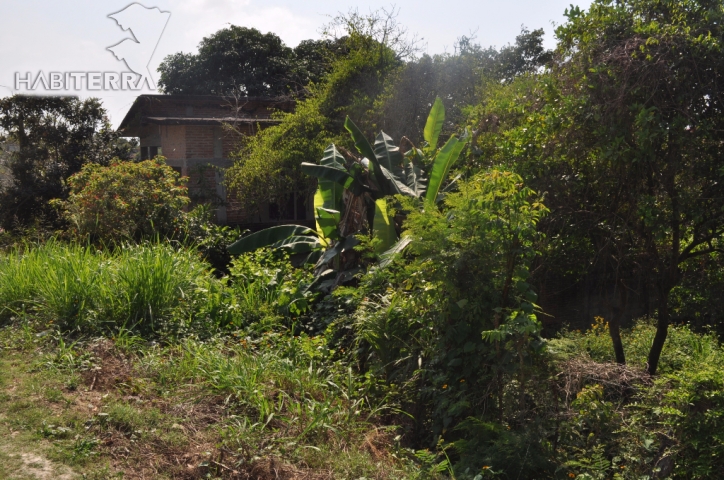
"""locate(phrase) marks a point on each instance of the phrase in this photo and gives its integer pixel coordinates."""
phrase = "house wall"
(203, 152)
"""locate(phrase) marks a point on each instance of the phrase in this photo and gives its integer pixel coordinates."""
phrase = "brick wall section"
(199, 141)
(235, 214)
(173, 142)
(181, 144)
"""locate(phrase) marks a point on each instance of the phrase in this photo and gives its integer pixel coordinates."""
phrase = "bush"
(630, 425)
(453, 332)
(268, 288)
(125, 201)
(197, 230)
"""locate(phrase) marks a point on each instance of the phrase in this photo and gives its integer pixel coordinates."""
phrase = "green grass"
(683, 348)
(152, 289)
(284, 400)
(223, 384)
(145, 288)
(238, 401)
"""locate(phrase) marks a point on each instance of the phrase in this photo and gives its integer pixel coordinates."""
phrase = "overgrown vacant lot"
(121, 408)
(170, 385)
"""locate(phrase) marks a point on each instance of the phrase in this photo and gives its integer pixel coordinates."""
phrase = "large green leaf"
(360, 141)
(340, 178)
(434, 123)
(299, 244)
(330, 190)
(364, 147)
(266, 238)
(322, 172)
(415, 180)
(327, 223)
(342, 245)
(332, 158)
(396, 185)
(383, 227)
(444, 160)
(322, 198)
(388, 154)
(389, 255)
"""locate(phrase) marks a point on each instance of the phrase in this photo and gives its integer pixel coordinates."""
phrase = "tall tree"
(652, 71)
(243, 61)
(55, 136)
(625, 134)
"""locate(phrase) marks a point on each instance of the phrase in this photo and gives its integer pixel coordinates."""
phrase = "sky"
(41, 37)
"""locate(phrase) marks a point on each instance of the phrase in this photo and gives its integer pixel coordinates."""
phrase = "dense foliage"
(267, 167)
(125, 201)
(55, 137)
(245, 62)
(518, 184)
(623, 134)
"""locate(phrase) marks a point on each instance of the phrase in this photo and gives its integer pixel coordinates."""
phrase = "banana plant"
(352, 195)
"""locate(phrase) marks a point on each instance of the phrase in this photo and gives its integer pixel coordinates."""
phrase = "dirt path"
(21, 465)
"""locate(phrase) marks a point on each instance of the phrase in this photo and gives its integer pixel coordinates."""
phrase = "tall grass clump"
(152, 282)
(145, 288)
(58, 281)
(69, 279)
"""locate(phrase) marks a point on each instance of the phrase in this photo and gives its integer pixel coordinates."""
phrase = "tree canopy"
(244, 61)
(55, 136)
(624, 133)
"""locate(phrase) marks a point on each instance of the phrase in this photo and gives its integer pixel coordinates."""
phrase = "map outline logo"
(146, 26)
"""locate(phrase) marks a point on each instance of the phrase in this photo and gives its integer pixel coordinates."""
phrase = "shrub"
(198, 230)
(453, 332)
(630, 425)
(268, 288)
(125, 201)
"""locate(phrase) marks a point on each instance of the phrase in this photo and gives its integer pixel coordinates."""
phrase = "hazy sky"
(72, 35)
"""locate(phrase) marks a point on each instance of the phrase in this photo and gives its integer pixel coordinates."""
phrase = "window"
(148, 153)
(293, 207)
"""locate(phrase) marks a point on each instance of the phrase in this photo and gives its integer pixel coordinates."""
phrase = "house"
(190, 131)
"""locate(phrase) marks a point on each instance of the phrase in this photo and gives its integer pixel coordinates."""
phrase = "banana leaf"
(360, 141)
(434, 123)
(364, 147)
(267, 238)
(388, 154)
(299, 244)
(329, 190)
(341, 179)
(389, 255)
(396, 186)
(383, 227)
(342, 245)
(444, 160)
(327, 223)
(415, 180)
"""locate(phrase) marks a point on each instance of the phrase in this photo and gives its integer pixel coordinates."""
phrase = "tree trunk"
(662, 330)
(614, 325)
(614, 329)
